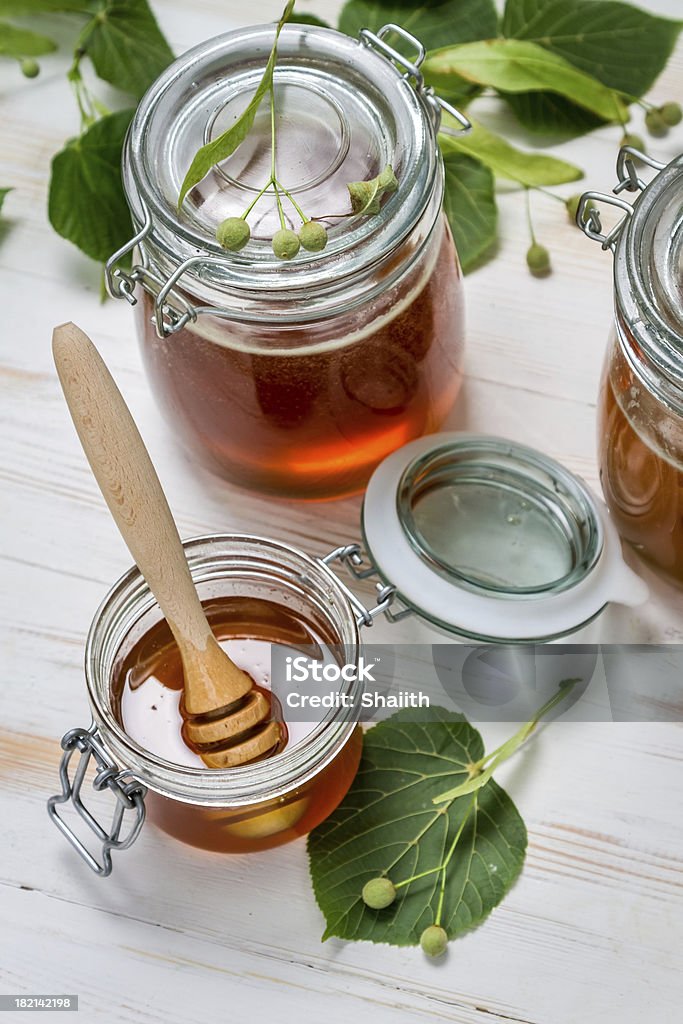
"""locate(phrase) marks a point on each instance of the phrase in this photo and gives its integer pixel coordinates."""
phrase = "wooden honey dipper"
(226, 718)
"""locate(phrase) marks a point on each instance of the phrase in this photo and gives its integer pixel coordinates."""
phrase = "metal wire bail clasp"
(588, 216)
(119, 282)
(412, 73)
(129, 793)
(351, 556)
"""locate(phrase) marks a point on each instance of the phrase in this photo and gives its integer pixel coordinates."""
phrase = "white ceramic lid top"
(493, 540)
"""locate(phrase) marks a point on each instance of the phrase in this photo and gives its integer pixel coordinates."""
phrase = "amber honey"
(299, 412)
(146, 692)
(640, 468)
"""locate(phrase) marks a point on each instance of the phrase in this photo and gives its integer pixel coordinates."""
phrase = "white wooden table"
(593, 930)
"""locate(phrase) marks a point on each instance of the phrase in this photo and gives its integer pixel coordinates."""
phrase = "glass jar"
(241, 809)
(640, 409)
(295, 377)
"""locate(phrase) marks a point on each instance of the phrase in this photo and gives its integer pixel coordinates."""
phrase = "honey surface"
(274, 410)
(149, 682)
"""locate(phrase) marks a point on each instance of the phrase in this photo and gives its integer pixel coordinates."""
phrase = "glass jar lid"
(649, 271)
(342, 110)
(493, 540)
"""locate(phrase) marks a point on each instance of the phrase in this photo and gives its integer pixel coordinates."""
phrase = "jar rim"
(175, 238)
(647, 283)
(209, 557)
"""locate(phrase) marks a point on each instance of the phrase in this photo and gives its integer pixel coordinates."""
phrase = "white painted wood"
(592, 931)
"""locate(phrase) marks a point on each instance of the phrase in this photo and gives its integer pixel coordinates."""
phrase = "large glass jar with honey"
(294, 377)
(640, 410)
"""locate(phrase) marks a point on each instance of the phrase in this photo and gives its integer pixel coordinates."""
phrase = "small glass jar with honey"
(253, 593)
(640, 410)
(295, 377)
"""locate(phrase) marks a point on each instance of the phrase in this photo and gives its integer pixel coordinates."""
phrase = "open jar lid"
(492, 540)
(342, 112)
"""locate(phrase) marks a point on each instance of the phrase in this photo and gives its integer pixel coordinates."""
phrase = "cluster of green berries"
(658, 120)
(233, 234)
(380, 893)
(538, 257)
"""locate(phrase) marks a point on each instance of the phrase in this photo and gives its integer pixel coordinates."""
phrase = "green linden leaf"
(470, 206)
(23, 8)
(306, 19)
(20, 42)
(126, 45)
(518, 66)
(433, 22)
(388, 824)
(87, 204)
(3, 195)
(624, 47)
(226, 144)
(506, 161)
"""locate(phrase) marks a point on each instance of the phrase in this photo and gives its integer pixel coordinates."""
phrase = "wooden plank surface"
(593, 930)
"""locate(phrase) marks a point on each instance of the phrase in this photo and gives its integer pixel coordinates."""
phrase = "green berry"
(572, 205)
(30, 68)
(671, 114)
(378, 893)
(313, 236)
(655, 123)
(434, 940)
(285, 244)
(538, 260)
(233, 234)
(633, 140)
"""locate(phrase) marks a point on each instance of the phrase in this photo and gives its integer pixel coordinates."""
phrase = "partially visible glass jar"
(295, 377)
(640, 409)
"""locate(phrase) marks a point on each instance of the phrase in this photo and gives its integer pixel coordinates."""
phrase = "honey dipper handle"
(129, 483)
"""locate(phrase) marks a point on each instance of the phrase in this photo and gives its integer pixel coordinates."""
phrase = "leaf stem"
(253, 203)
(272, 132)
(442, 891)
(528, 217)
(281, 212)
(507, 749)
(293, 201)
(414, 878)
(547, 192)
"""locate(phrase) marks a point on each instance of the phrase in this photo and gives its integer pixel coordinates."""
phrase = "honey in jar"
(640, 409)
(294, 377)
(641, 466)
(147, 691)
(259, 595)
